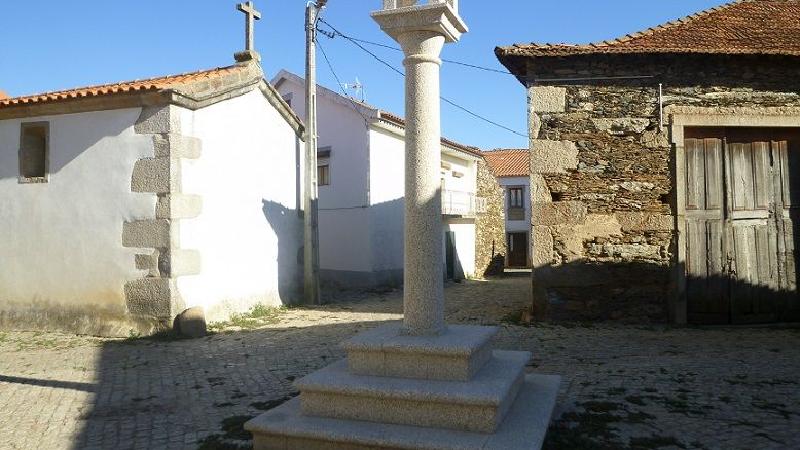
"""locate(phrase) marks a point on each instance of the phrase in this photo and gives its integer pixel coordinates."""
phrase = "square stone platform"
(524, 428)
(399, 391)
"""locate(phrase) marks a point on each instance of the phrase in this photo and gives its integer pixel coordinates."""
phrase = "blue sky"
(53, 44)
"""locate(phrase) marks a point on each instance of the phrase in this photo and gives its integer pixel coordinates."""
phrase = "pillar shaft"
(423, 298)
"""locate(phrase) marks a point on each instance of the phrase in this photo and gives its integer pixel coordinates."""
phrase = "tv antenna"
(360, 92)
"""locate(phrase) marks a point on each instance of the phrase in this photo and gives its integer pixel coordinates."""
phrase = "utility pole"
(310, 204)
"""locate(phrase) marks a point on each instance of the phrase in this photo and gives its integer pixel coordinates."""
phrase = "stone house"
(665, 166)
(512, 169)
(123, 204)
(361, 194)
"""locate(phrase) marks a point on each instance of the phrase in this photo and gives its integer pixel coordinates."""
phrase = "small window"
(33, 152)
(515, 198)
(323, 173)
(288, 99)
(324, 166)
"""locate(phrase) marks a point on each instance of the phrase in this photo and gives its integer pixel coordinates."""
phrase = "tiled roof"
(397, 120)
(373, 110)
(511, 162)
(151, 84)
(764, 27)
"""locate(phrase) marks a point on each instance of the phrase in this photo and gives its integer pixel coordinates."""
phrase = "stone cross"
(251, 15)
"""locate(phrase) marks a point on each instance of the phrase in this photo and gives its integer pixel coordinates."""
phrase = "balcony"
(458, 203)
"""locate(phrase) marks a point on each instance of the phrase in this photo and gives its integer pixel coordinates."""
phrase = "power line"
(401, 73)
(390, 47)
(339, 83)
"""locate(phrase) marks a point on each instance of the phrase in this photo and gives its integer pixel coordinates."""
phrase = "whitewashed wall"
(465, 244)
(61, 242)
(517, 226)
(465, 166)
(361, 212)
(343, 214)
(387, 193)
(249, 233)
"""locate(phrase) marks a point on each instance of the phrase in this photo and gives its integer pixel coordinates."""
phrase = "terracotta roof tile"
(511, 162)
(397, 120)
(150, 84)
(765, 27)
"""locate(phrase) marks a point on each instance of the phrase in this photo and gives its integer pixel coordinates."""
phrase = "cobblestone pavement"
(623, 387)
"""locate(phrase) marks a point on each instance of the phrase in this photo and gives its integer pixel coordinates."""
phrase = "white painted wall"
(249, 233)
(513, 226)
(343, 214)
(465, 244)
(61, 244)
(387, 199)
(387, 188)
(361, 212)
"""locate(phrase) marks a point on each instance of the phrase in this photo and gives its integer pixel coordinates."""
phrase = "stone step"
(457, 354)
(476, 405)
(524, 428)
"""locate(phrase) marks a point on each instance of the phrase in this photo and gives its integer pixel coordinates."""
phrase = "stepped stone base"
(476, 405)
(523, 428)
(456, 354)
(395, 391)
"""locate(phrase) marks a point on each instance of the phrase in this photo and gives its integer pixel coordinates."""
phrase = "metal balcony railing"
(459, 203)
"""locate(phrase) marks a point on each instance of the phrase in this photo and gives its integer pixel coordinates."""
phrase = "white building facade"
(122, 205)
(361, 190)
(511, 168)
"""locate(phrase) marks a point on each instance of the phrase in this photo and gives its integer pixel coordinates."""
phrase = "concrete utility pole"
(311, 207)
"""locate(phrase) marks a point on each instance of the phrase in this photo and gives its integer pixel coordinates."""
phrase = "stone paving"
(624, 386)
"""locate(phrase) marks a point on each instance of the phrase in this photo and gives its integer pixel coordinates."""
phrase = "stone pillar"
(422, 30)
(446, 382)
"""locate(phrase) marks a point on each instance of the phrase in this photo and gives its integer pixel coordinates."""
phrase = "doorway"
(518, 250)
(742, 204)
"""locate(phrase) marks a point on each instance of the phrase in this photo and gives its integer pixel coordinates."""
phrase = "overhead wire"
(341, 86)
(400, 72)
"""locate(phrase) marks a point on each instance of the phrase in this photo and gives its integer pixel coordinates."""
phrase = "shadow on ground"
(623, 386)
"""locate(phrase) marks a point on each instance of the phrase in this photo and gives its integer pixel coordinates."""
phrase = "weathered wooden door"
(739, 222)
(517, 249)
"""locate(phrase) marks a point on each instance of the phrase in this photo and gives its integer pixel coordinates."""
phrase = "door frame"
(527, 246)
(681, 117)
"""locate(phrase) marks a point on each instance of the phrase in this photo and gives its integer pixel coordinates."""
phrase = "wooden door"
(740, 219)
(750, 229)
(517, 250)
(706, 283)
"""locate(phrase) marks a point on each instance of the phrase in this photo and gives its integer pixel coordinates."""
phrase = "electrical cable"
(400, 72)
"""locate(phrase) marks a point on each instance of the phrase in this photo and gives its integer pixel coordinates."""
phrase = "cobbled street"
(624, 386)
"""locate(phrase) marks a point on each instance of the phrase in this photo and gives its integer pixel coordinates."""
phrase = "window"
(288, 99)
(33, 152)
(515, 198)
(323, 173)
(324, 166)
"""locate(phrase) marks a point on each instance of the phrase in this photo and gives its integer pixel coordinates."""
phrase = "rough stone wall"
(490, 227)
(604, 240)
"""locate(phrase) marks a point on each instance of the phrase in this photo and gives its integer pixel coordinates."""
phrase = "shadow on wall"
(643, 292)
(287, 225)
(61, 151)
(496, 266)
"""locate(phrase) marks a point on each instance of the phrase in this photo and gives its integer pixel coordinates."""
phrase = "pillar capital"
(441, 17)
